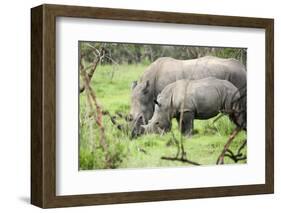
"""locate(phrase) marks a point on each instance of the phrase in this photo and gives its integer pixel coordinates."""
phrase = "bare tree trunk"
(92, 101)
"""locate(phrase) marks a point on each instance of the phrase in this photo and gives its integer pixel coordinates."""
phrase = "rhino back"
(167, 70)
(206, 97)
(209, 66)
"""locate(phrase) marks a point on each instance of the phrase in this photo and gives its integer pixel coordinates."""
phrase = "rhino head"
(142, 106)
(160, 121)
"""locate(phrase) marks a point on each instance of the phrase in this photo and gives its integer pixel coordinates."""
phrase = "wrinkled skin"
(165, 71)
(188, 100)
(141, 111)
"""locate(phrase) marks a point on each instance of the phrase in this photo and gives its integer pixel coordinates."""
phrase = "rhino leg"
(186, 124)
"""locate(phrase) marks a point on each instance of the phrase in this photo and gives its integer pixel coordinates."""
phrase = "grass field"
(112, 87)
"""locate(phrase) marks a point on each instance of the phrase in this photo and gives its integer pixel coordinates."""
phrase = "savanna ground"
(112, 88)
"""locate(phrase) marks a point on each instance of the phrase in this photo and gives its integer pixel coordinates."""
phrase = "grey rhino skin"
(165, 71)
(187, 100)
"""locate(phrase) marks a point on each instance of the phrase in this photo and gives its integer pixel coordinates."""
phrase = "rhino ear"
(134, 84)
(145, 88)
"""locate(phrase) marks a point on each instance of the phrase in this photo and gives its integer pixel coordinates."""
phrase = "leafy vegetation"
(121, 53)
(113, 95)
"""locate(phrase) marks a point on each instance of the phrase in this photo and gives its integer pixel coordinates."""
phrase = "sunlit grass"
(112, 87)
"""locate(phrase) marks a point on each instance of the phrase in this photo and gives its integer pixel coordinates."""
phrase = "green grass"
(112, 87)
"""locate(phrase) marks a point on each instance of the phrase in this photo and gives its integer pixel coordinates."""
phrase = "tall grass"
(113, 94)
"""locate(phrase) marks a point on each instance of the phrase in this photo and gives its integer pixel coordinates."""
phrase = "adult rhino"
(165, 71)
(187, 100)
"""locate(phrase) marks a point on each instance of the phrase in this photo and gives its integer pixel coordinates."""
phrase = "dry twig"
(230, 139)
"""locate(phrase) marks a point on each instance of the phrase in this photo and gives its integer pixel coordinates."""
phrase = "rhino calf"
(187, 100)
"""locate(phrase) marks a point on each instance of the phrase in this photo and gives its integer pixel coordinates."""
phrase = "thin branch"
(217, 118)
(242, 146)
(238, 156)
(230, 139)
(94, 48)
(111, 60)
(184, 160)
(92, 66)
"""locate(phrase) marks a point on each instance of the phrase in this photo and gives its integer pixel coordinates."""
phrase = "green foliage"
(146, 151)
(120, 53)
(238, 53)
(221, 126)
